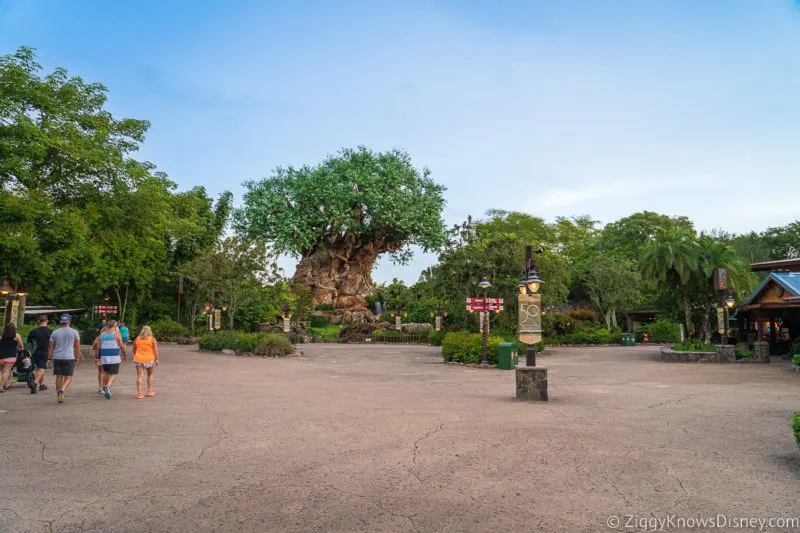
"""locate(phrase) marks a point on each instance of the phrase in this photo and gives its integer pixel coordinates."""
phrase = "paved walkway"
(386, 438)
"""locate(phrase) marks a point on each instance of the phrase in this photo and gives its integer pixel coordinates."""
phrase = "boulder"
(415, 327)
(359, 332)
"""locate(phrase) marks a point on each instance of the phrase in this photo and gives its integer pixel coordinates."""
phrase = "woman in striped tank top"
(110, 352)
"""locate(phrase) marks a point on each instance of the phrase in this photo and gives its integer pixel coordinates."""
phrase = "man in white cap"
(64, 352)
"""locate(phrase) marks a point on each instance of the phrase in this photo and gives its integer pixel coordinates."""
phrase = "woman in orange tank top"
(145, 357)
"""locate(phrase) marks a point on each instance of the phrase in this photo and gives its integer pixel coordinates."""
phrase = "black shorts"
(40, 360)
(111, 369)
(63, 367)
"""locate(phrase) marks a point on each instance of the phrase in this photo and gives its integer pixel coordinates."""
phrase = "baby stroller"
(23, 370)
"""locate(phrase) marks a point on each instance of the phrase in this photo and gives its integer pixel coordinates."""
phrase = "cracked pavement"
(398, 442)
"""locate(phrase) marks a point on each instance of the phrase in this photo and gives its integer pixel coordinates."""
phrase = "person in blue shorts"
(39, 341)
(64, 352)
(110, 353)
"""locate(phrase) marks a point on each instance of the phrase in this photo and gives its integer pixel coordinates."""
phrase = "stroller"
(24, 370)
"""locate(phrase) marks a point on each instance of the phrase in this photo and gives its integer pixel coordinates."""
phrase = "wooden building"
(772, 312)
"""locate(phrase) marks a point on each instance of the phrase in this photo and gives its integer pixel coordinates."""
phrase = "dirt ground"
(387, 438)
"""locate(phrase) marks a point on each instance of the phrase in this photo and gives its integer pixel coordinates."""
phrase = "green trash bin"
(628, 339)
(507, 357)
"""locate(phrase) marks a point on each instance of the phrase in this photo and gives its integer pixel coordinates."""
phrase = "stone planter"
(669, 355)
(761, 351)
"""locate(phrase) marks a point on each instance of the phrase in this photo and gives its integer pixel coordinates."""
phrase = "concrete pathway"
(387, 438)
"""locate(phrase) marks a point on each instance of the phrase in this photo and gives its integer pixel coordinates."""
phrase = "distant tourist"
(10, 344)
(39, 340)
(110, 352)
(65, 352)
(145, 357)
(123, 330)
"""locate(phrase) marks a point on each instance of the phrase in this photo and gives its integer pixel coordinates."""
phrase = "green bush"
(464, 347)
(796, 359)
(318, 322)
(796, 346)
(582, 315)
(329, 333)
(796, 427)
(324, 307)
(694, 346)
(272, 345)
(216, 342)
(435, 338)
(169, 331)
(587, 334)
(664, 332)
(744, 354)
(456, 346)
(275, 346)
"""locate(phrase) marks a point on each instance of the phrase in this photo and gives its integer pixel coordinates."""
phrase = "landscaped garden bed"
(260, 344)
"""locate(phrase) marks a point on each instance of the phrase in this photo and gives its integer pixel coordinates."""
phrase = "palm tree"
(741, 281)
(672, 259)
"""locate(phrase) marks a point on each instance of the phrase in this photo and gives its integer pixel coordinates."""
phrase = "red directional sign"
(484, 304)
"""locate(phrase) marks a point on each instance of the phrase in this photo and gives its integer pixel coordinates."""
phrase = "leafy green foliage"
(744, 354)
(435, 338)
(663, 331)
(264, 344)
(318, 322)
(795, 348)
(692, 345)
(326, 334)
(324, 307)
(587, 334)
(169, 331)
(613, 284)
(237, 274)
(629, 237)
(81, 217)
(376, 197)
(796, 427)
(464, 347)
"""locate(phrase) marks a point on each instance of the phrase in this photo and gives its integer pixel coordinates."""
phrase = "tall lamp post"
(531, 379)
(485, 285)
(729, 304)
(15, 303)
(398, 313)
(214, 314)
(438, 312)
(286, 316)
(529, 286)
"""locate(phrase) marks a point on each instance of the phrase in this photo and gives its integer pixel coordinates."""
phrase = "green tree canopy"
(340, 215)
(378, 198)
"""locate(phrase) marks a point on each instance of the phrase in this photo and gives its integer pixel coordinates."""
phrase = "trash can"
(628, 339)
(507, 356)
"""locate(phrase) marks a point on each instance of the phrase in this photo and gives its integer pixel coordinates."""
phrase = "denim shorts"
(151, 364)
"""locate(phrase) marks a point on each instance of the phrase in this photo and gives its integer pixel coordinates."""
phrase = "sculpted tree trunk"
(340, 273)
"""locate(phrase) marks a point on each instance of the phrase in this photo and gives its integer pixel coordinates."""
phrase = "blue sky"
(556, 107)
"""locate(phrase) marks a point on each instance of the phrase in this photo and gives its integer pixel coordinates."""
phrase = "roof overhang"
(790, 265)
(31, 311)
